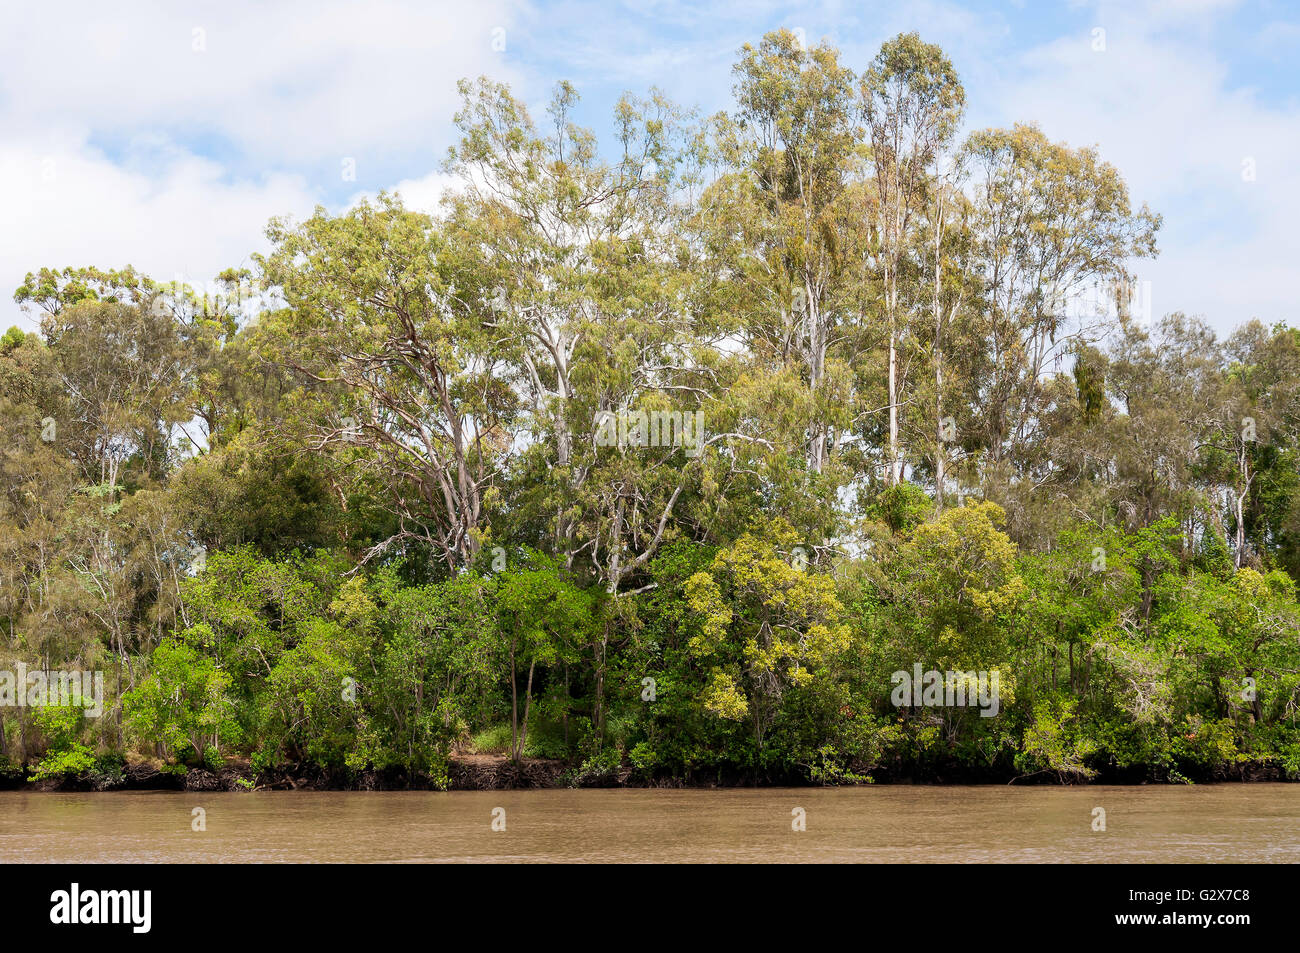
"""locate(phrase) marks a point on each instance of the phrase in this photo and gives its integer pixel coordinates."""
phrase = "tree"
(912, 102)
(1055, 225)
(409, 389)
(765, 625)
(181, 707)
(579, 265)
(543, 619)
(791, 145)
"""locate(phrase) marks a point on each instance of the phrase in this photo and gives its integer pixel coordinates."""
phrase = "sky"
(166, 135)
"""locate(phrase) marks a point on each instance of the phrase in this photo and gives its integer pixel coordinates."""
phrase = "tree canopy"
(663, 455)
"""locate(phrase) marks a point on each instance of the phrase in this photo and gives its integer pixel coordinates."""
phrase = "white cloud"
(1159, 105)
(172, 158)
(422, 194)
(166, 137)
(280, 81)
(72, 206)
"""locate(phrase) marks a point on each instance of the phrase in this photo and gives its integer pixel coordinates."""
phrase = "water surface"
(1250, 823)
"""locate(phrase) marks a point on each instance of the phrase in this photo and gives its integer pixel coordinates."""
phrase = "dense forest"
(659, 458)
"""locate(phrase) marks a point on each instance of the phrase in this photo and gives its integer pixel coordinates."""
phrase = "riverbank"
(465, 772)
(489, 772)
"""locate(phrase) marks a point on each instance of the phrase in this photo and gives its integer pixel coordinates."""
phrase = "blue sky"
(164, 135)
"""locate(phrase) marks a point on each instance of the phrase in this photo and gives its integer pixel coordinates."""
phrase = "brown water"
(1254, 823)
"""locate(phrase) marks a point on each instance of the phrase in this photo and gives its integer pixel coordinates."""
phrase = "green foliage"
(11, 339)
(63, 726)
(380, 523)
(183, 705)
(902, 508)
(1051, 743)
